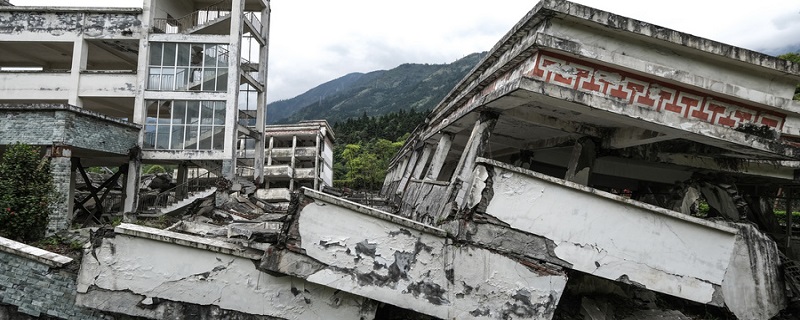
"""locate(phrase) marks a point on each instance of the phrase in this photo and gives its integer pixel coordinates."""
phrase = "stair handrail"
(192, 19)
(255, 21)
(161, 200)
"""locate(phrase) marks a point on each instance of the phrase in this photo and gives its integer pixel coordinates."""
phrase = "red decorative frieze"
(640, 91)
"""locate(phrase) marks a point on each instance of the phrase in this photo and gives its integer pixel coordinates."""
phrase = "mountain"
(418, 86)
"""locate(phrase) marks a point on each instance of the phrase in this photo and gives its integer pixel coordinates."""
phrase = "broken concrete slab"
(374, 254)
(164, 269)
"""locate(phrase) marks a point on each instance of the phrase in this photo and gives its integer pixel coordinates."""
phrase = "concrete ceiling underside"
(102, 55)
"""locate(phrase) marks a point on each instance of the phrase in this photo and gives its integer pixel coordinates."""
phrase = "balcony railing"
(194, 19)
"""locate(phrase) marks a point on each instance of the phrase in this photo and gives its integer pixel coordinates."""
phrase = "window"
(188, 67)
(185, 125)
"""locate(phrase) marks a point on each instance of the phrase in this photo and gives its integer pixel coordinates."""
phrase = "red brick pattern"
(645, 93)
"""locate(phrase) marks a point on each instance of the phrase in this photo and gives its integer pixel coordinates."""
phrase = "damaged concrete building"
(174, 83)
(585, 148)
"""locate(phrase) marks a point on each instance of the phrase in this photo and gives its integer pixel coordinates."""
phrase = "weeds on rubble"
(162, 222)
(59, 245)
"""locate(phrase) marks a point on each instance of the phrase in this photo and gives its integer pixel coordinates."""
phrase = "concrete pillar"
(182, 192)
(316, 163)
(269, 150)
(442, 149)
(581, 161)
(423, 160)
(292, 163)
(261, 108)
(80, 54)
(132, 180)
(405, 175)
(64, 182)
(476, 145)
(232, 102)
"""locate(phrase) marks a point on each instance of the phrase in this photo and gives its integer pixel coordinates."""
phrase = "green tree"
(793, 57)
(26, 193)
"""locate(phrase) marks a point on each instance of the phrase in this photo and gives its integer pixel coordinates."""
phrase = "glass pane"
(191, 138)
(169, 54)
(149, 135)
(162, 137)
(205, 138)
(209, 79)
(183, 55)
(181, 79)
(193, 112)
(154, 79)
(222, 79)
(167, 79)
(210, 55)
(177, 137)
(219, 138)
(179, 112)
(222, 56)
(207, 112)
(195, 79)
(197, 55)
(219, 112)
(155, 53)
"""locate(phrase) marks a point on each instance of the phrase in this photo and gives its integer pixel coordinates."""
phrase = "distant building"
(297, 156)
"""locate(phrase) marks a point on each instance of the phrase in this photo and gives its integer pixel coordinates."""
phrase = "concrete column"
(423, 160)
(442, 149)
(316, 163)
(269, 150)
(182, 192)
(132, 181)
(64, 182)
(80, 54)
(232, 102)
(476, 145)
(581, 161)
(405, 175)
(261, 108)
(294, 148)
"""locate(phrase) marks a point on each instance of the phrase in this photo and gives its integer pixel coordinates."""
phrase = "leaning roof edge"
(546, 9)
(634, 26)
(72, 9)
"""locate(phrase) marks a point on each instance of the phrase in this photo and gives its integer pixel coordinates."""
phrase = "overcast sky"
(314, 41)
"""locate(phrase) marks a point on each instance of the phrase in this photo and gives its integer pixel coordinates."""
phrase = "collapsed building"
(585, 145)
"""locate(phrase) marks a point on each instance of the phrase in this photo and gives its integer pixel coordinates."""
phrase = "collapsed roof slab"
(374, 254)
(620, 239)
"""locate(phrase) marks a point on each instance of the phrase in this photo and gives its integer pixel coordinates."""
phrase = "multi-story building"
(297, 156)
(176, 82)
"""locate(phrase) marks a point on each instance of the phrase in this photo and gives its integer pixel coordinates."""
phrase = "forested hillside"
(365, 145)
(417, 86)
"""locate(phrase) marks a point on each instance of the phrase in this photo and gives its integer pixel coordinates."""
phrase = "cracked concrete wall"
(43, 124)
(397, 261)
(614, 237)
(36, 23)
(36, 288)
(135, 276)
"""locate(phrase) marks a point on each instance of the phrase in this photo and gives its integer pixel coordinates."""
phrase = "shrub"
(26, 193)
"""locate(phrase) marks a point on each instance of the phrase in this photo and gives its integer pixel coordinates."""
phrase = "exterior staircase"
(195, 22)
(173, 199)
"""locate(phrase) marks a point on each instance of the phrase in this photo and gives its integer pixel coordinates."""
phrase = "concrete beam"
(631, 137)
